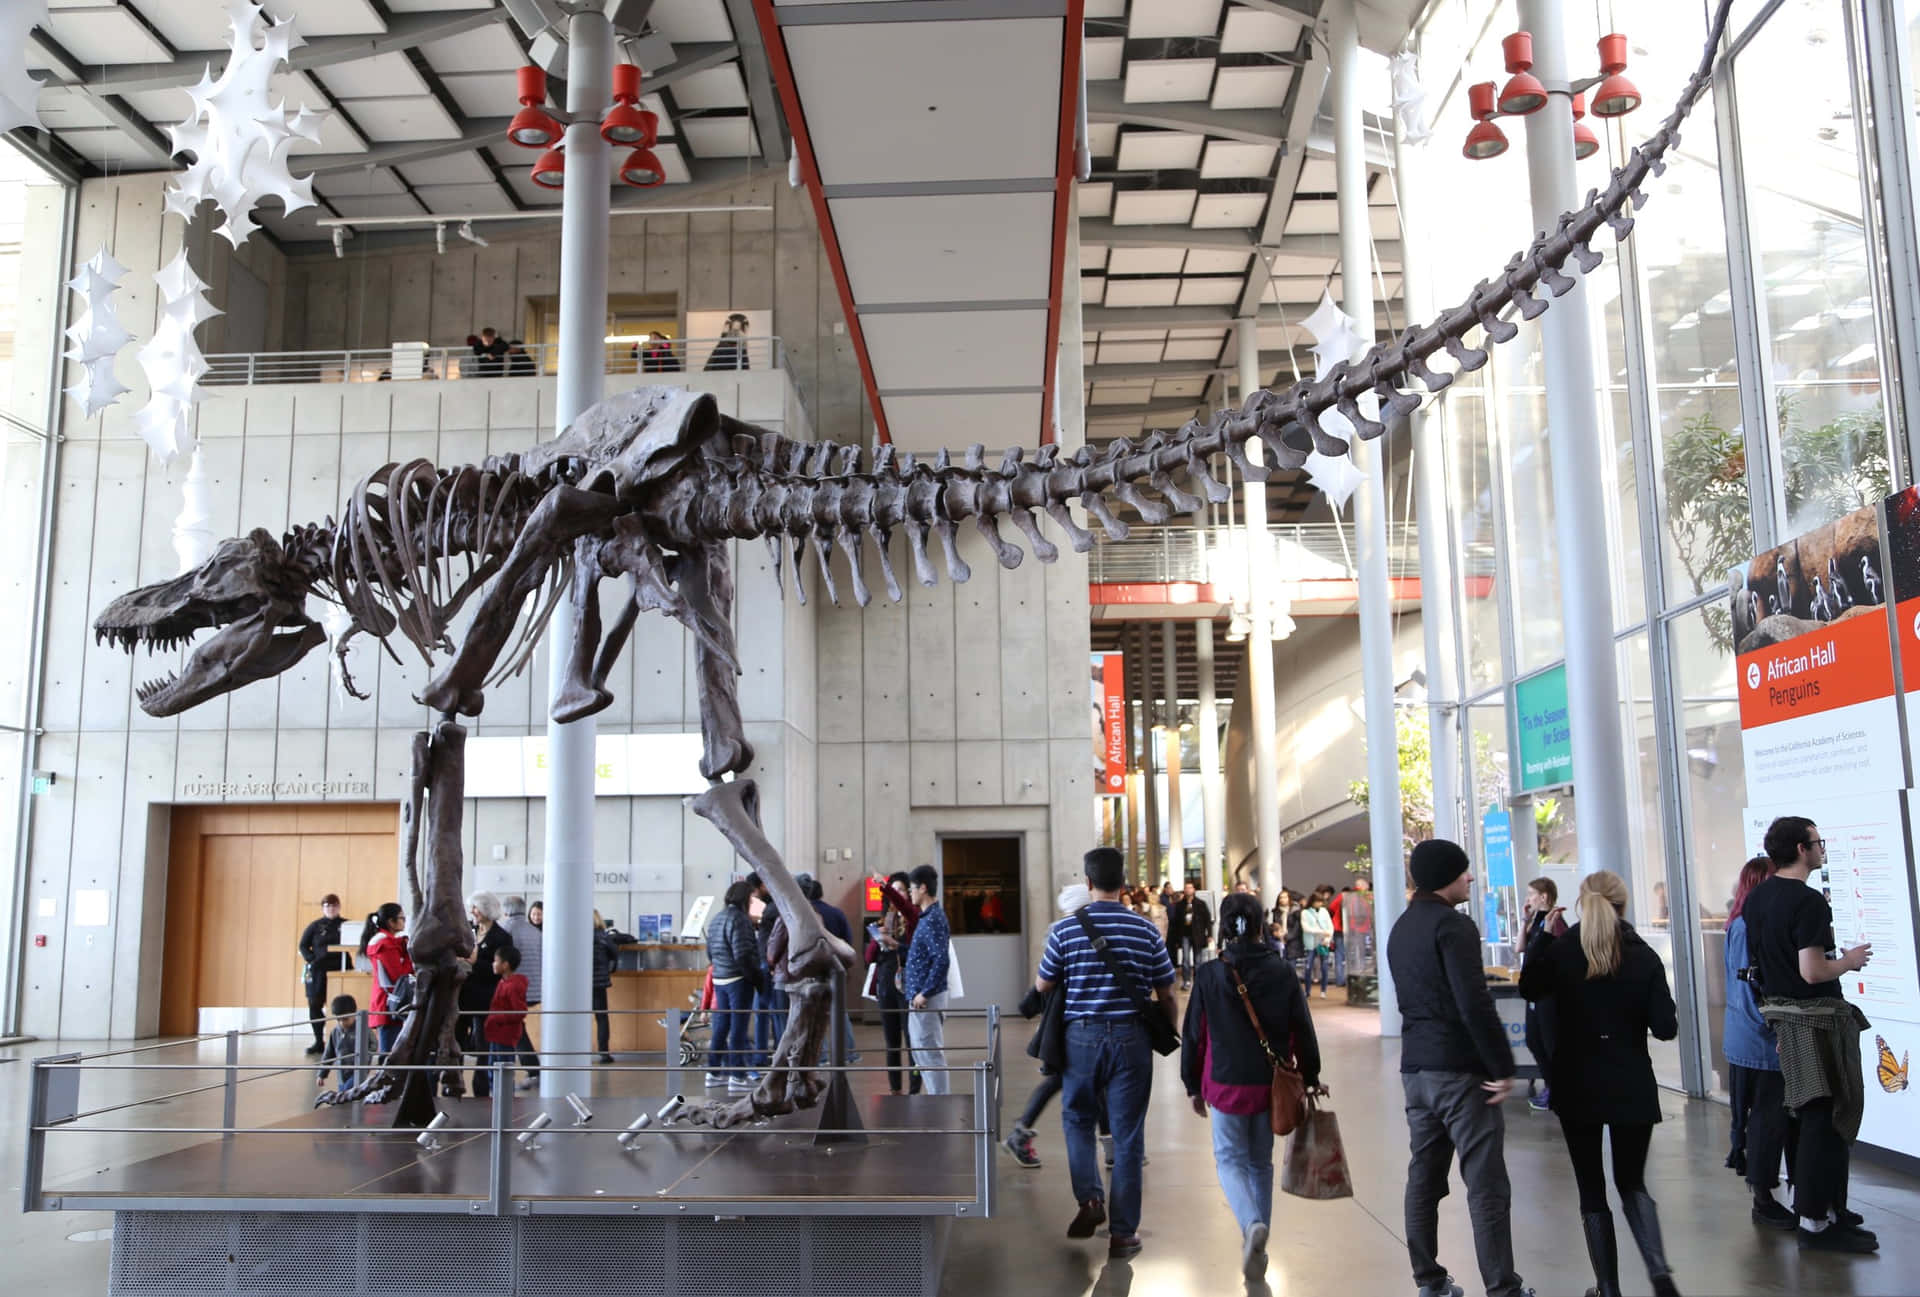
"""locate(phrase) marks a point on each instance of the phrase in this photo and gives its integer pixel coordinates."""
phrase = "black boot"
(1604, 1251)
(1644, 1220)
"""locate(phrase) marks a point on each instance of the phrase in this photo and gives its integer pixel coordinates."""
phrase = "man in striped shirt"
(1109, 1059)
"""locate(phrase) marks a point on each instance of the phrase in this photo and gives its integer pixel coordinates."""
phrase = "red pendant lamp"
(533, 127)
(550, 172)
(1485, 140)
(642, 169)
(1585, 142)
(1615, 96)
(1523, 94)
(624, 123)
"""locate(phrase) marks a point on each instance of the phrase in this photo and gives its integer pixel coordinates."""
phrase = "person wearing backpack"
(1247, 1009)
(384, 944)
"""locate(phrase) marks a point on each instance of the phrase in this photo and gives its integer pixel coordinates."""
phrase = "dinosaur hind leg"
(705, 580)
(584, 692)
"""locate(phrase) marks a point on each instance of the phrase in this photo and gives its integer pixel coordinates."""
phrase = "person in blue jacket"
(926, 981)
(1756, 1091)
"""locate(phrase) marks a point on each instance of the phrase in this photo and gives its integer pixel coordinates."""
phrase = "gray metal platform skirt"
(337, 1254)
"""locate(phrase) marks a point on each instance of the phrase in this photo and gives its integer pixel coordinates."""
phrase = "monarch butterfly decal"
(1893, 1076)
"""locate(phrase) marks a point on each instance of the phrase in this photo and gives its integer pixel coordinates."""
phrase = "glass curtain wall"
(1760, 256)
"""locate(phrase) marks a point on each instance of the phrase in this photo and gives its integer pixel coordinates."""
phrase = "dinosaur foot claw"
(576, 704)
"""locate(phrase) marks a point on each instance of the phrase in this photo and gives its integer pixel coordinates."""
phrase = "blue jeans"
(388, 1033)
(1110, 1067)
(1243, 1155)
(1340, 958)
(1319, 957)
(769, 1020)
(728, 1050)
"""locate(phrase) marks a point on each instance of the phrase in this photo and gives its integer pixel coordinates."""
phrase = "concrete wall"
(282, 454)
(1322, 741)
(744, 261)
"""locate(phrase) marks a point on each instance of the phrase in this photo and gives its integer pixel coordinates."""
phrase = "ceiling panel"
(686, 21)
(720, 87)
(994, 419)
(1177, 350)
(1153, 206)
(161, 107)
(1173, 387)
(1102, 56)
(335, 137)
(1103, 138)
(1236, 159)
(899, 102)
(483, 94)
(465, 200)
(673, 162)
(107, 147)
(1251, 87)
(380, 76)
(1146, 261)
(1154, 18)
(720, 137)
(1130, 353)
(1092, 257)
(428, 6)
(1208, 292)
(411, 117)
(1206, 261)
(1142, 292)
(1215, 336)
(1164, 81)
(187, 25)
(1109, 428)
(345, 184)
(329, 17)
(946, 248)
(1159, 151)
(62, 109)
(1228, 211)
(1133, 335)
(106, 34)
(1320, 216)
(1106, 8)
(1254, 31)
(1317, 176)
(1093, 290)
(378, 205)
(949, 349)
(453, 169)
(486, 49)
(1122, 393)
(1096, 199)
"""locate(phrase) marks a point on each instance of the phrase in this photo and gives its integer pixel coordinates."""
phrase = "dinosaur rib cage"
(397, 553)
(817, 495)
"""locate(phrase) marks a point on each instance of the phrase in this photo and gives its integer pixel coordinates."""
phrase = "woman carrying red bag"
(1226, 1067)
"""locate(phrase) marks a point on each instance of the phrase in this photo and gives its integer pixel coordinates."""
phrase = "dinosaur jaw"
(254, 639)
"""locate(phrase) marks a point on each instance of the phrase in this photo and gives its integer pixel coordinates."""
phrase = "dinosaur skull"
(249, 592)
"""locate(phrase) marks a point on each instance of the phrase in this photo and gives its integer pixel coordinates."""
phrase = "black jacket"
(1200, 922)
(606, 954)
(731, 948)
(476, 992)
(1599, 1070)
(1448, 1020)
(1177, 913)
(1275, 995)
(320, 934)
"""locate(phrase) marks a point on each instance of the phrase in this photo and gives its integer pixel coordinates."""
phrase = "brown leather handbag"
(1287, 1104)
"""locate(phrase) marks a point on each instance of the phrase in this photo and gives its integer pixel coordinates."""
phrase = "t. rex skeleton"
(652, 485)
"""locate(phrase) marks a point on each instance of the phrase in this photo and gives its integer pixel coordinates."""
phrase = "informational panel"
(1815, 668)
(1498, 827)
(624, 765)
(1110, 721)
(1546, 740)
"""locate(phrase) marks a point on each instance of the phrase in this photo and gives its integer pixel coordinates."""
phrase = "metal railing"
(408, 361)
(631, 1125)
(1301, 552)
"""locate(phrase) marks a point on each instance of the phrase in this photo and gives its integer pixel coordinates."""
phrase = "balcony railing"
(1301, 552)
(403, 362)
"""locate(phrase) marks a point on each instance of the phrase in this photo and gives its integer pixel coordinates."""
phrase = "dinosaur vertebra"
(653, 485)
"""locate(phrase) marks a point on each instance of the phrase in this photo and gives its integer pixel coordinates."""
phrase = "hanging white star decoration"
(1337, 338)
(1410, 98)
(96, 334)
(193, 527)
(172, 360)
(19, 93)
(238, 136)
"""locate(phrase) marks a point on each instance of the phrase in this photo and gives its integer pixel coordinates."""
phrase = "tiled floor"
(1192, 1246)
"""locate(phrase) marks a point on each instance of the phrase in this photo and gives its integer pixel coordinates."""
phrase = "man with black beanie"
(1455, 1067)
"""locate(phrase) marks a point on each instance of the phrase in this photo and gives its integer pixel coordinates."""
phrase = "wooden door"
(243, 883)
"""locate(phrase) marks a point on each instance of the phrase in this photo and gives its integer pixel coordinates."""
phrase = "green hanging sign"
(1546, 742)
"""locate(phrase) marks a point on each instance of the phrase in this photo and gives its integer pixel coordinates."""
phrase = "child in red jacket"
(507, 1015)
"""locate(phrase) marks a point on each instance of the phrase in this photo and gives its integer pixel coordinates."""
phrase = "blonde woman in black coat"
(1608, 990)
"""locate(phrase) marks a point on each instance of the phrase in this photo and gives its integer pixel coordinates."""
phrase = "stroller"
(696, 1029)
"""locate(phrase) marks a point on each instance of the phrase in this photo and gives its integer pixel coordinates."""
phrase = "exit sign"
(43, 781)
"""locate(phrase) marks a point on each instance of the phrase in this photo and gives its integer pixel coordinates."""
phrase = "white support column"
(1369, 504)
(1579, 478)
(1212, 792)
(1174, 864)
(1260, 585)
(566, 968)
(1439, 582)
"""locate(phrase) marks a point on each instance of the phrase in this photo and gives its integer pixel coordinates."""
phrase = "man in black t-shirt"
(1790, 935)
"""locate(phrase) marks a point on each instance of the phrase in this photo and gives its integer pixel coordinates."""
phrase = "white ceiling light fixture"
(172, 360)
(19, 93)
(240, 137)
(97, 335)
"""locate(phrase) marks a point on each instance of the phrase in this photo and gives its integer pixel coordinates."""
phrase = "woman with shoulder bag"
(1609, 991)
(1247, 1011)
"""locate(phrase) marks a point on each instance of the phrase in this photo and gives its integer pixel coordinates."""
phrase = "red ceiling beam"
(789, 91)
(1063, 201)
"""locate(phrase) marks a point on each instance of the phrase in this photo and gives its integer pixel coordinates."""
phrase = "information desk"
(636, 1000)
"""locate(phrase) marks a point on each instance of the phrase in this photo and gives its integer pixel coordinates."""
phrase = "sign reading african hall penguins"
(1814, 666)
